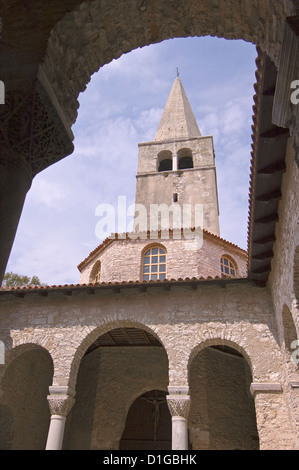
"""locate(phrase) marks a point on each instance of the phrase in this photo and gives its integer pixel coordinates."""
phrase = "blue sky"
(122, 106)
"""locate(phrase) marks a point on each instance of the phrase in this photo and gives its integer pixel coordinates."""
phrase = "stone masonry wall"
(184, 320)
(283, 280)
(122, 260)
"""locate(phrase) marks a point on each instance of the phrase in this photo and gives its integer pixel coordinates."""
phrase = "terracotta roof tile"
(137, 283)
(126, 236)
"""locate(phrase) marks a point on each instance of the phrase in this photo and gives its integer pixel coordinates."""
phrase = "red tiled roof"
(258, 74)
(67, 288)
(126, 236)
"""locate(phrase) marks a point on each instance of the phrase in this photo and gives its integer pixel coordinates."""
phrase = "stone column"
(15, 181)
(178, 402)
(175, 162)
(34, 135)
(61, 400)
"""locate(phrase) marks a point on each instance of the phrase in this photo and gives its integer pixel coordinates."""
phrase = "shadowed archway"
(118, 366)
(222, 414)
(148, 424)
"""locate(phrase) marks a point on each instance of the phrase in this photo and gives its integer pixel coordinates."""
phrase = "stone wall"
(24, 410)
(283, 280)
(283, 277)
(222, 414)
(185, 321)
(121, 260)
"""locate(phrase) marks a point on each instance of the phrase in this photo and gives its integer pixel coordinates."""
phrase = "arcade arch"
(120, 365)
(148, 423)
(222, 413)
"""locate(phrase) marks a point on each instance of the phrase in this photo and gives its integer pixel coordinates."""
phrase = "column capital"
(178, 401)
(61, 400)
(33, 129)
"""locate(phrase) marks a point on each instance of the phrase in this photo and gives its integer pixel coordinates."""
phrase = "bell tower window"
(185, 159)
(165, 161)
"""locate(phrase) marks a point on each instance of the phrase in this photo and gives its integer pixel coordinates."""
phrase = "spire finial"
(177, 72)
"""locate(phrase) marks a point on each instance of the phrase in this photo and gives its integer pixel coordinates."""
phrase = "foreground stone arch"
(54, 60)
(93, 34)
(120, 365)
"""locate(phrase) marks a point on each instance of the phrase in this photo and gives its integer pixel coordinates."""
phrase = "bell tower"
(177, 169)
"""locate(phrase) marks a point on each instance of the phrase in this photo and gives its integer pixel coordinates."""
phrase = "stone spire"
(178, 121)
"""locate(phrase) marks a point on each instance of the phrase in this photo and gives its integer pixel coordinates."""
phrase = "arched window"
(185, 162)
(185, 159)
(95, 274)
(165, 165)
(228, 267)
(164, 161)
(154, 264)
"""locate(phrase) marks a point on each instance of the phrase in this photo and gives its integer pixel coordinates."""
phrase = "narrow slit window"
(96, 273)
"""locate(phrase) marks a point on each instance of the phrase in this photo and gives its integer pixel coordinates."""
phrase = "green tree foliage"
(16, 280)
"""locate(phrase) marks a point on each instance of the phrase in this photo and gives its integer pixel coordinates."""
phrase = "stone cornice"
(265, 387)
(117, 287)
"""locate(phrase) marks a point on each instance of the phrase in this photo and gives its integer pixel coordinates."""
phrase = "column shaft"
(15, 181)
(60, 402)
(179, 433)
(56, 433)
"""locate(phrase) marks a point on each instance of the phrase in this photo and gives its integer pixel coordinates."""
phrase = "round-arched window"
(95, 274)
(185, 163)
(185, 159)
(154, 264)
(164, 161)
(228, 267)
(165, 165)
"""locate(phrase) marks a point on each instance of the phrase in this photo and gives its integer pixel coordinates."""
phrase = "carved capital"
(32, 129)
(60, 402)
(178, 401)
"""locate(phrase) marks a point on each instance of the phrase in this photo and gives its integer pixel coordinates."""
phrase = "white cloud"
(48, 194)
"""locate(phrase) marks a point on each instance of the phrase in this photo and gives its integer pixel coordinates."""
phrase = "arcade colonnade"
(62, 328)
